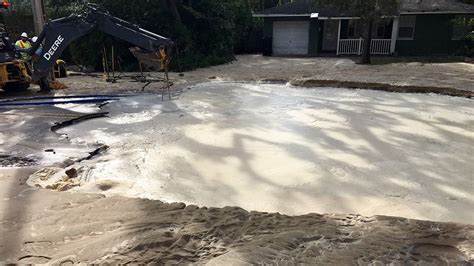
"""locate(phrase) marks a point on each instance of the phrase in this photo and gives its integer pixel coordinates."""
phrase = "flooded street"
(279, 149)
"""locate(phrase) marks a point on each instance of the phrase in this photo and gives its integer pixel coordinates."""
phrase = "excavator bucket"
(151, 61)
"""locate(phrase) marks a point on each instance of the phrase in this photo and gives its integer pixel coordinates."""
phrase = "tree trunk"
(368, 43)
(174, 10)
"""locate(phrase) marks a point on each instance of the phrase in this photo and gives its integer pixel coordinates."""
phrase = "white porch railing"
(350, 46)
(380, 46)
(356, 46)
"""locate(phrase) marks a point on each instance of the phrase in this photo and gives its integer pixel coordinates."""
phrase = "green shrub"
(468, 43)
(207, 32)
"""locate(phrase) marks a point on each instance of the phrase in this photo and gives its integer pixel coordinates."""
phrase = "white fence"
(350, 46)
(356, 46)
(380, 46)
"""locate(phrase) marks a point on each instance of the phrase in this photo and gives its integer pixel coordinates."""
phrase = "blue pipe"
(92, 100)
(63, 97)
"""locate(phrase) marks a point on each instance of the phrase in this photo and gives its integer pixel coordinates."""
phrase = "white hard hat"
(24, 34)
(34, 39)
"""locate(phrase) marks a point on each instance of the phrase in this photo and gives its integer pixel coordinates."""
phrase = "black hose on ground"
(77, 120)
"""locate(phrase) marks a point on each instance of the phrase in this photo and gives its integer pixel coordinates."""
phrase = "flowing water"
(280, 149)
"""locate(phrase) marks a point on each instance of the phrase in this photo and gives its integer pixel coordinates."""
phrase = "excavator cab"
(14, 72)
(59, 33)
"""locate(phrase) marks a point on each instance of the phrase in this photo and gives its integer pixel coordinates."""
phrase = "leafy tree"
(464, 25)
(206, 32)
(18, 18)
(369, 12)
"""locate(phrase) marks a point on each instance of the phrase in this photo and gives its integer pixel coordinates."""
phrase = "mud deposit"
(295, 151)
(42, 226)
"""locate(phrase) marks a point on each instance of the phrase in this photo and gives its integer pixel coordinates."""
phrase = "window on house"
(379, 30)
(352, 29)
(462, 25)
(406, 29)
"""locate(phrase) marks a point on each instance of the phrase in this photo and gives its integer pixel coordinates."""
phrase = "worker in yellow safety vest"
(24, 43)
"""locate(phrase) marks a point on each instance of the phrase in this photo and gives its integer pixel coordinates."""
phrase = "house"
(422, 27)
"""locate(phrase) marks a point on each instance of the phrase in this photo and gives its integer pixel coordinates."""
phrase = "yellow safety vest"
(24, 45)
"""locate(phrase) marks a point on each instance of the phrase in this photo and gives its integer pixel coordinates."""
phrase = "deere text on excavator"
(57, 34)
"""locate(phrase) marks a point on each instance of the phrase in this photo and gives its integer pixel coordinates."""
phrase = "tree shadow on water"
(401, 159)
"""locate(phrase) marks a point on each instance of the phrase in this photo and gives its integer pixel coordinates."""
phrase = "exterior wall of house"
(360, 29)
(313, 46)
(433, 35)
(315, 41)
(344, 27)
(267, 36)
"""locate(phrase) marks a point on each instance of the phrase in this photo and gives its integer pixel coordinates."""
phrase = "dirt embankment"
(311, 83)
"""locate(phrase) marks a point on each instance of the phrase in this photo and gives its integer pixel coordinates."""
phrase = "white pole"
(393, 43)
(338, 37)
(360, 46)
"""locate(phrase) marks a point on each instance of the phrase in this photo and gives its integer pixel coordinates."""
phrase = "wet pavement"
(26, 138)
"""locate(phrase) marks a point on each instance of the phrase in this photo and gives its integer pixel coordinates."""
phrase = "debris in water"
(77, 120)
(106, 185)
(71, 173)
(50, 150)
(95, 153)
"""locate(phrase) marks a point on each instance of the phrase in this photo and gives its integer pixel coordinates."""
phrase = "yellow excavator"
(16, 74)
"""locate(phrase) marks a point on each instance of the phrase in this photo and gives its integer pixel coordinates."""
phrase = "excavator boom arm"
(59, 33)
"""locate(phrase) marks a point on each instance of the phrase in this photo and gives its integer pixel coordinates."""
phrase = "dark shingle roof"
(301, 7)
(306, 7)
(295, 8)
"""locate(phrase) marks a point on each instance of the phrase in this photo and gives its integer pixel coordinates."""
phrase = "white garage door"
(290, 37)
